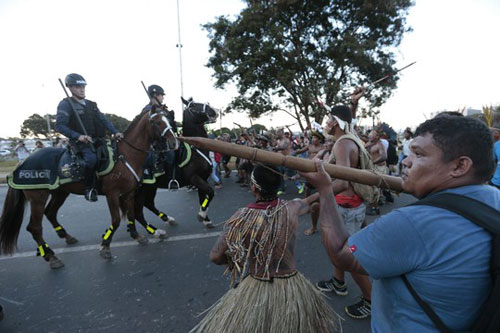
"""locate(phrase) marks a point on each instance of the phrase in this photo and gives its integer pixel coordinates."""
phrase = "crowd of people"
(411, 251)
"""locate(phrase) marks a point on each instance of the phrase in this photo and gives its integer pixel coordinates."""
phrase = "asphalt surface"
(159, 287)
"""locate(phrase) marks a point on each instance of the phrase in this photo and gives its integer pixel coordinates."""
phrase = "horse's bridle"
(204, 110)
(165, 131)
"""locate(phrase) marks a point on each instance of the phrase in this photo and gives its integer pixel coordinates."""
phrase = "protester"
(22, 151)
(348, 151)
(445, 257)
(270, 295)
(378, 153)
(405, 152)
(495, 180)
(283, 146)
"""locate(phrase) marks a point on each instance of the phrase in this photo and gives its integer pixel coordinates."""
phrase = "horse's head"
(162, 128)
(201, 112)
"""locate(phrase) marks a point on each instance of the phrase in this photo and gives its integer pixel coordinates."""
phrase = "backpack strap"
(484, 216)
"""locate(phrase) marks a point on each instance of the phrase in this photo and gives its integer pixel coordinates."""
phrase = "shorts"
(353, 217)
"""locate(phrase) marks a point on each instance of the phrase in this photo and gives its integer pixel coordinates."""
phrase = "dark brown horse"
(118, 186)
(194, 173)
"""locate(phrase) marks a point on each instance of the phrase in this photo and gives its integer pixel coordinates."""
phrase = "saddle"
(49, 168)
(156, 163)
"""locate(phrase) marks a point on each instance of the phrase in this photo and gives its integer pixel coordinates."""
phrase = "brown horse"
(118, 186)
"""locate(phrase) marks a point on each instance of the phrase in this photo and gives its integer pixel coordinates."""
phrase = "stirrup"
(175, 184)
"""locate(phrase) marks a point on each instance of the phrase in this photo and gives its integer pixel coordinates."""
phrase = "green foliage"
(287, 54)
(36, 126)
(120, 123)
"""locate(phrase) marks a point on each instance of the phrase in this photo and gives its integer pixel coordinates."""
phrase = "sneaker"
(340, 288)
(360, 310)
(218, 185)
(301, 188)
(91, 194)
(280, 192)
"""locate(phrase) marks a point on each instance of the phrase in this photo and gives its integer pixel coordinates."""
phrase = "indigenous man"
(94, 122)
(445, 257)
(156, 97)
(347, 151)
(378, 154)
(258, 247)
(282, 146)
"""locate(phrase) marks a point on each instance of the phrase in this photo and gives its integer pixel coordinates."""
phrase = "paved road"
(160, 287)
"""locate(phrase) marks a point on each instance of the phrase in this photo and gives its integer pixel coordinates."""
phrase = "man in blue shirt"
(445, 257)
(94, 122)
(495, 180)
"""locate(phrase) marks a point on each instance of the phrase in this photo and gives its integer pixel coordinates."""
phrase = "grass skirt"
(290, 304)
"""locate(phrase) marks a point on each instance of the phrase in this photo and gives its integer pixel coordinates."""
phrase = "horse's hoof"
(208, 224)
(161, 234)
(142, 240)
(105, 252)
(171, 221)
(55, 262)
(71, 240)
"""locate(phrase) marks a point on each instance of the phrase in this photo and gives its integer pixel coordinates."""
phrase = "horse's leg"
(38, 199)
(56, 201)
(133, 214)
(139, 203)
(205, 195)
(114, 209)
(149, 202)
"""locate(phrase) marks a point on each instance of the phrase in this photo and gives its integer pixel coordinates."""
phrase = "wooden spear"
(296, 163)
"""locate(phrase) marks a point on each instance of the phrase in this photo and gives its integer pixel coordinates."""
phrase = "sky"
(115, 44)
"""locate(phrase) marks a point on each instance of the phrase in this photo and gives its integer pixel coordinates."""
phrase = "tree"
(287, 54)
(36, 125)
(120, 123)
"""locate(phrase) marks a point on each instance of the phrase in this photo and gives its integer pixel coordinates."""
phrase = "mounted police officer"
(156, 97)
(75, 112)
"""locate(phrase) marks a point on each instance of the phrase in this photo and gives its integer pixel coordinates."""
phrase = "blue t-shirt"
(445, 257)
(496, 152)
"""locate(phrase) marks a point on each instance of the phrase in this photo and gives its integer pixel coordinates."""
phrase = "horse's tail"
(11, 220)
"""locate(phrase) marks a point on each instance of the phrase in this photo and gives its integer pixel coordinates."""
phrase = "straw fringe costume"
(262, 300)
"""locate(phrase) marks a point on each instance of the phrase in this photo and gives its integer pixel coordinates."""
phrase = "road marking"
(113, 245)
(11, 301)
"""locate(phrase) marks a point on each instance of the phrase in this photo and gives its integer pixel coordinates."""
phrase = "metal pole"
(179, 46)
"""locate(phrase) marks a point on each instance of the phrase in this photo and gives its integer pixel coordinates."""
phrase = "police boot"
(90, 191)
(173, 184)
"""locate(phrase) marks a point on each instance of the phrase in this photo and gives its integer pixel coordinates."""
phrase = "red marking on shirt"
(352, 248)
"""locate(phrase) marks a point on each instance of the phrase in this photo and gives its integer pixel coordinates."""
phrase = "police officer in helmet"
(94, 122)
(156, 96)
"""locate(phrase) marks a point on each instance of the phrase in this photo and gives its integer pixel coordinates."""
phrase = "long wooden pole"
(296, 163)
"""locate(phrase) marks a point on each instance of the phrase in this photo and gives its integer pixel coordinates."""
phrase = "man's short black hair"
(343, 112)
(462, 136)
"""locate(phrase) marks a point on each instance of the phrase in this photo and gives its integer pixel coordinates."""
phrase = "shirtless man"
(378, 154)
(314, 147)
(346, 152)
(282, 146)
(271, 295)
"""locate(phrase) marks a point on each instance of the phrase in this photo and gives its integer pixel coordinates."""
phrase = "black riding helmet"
(74, 79)
(155, 90)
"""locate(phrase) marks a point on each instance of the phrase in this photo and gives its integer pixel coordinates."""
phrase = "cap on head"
(74, 79)
(155, 90)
